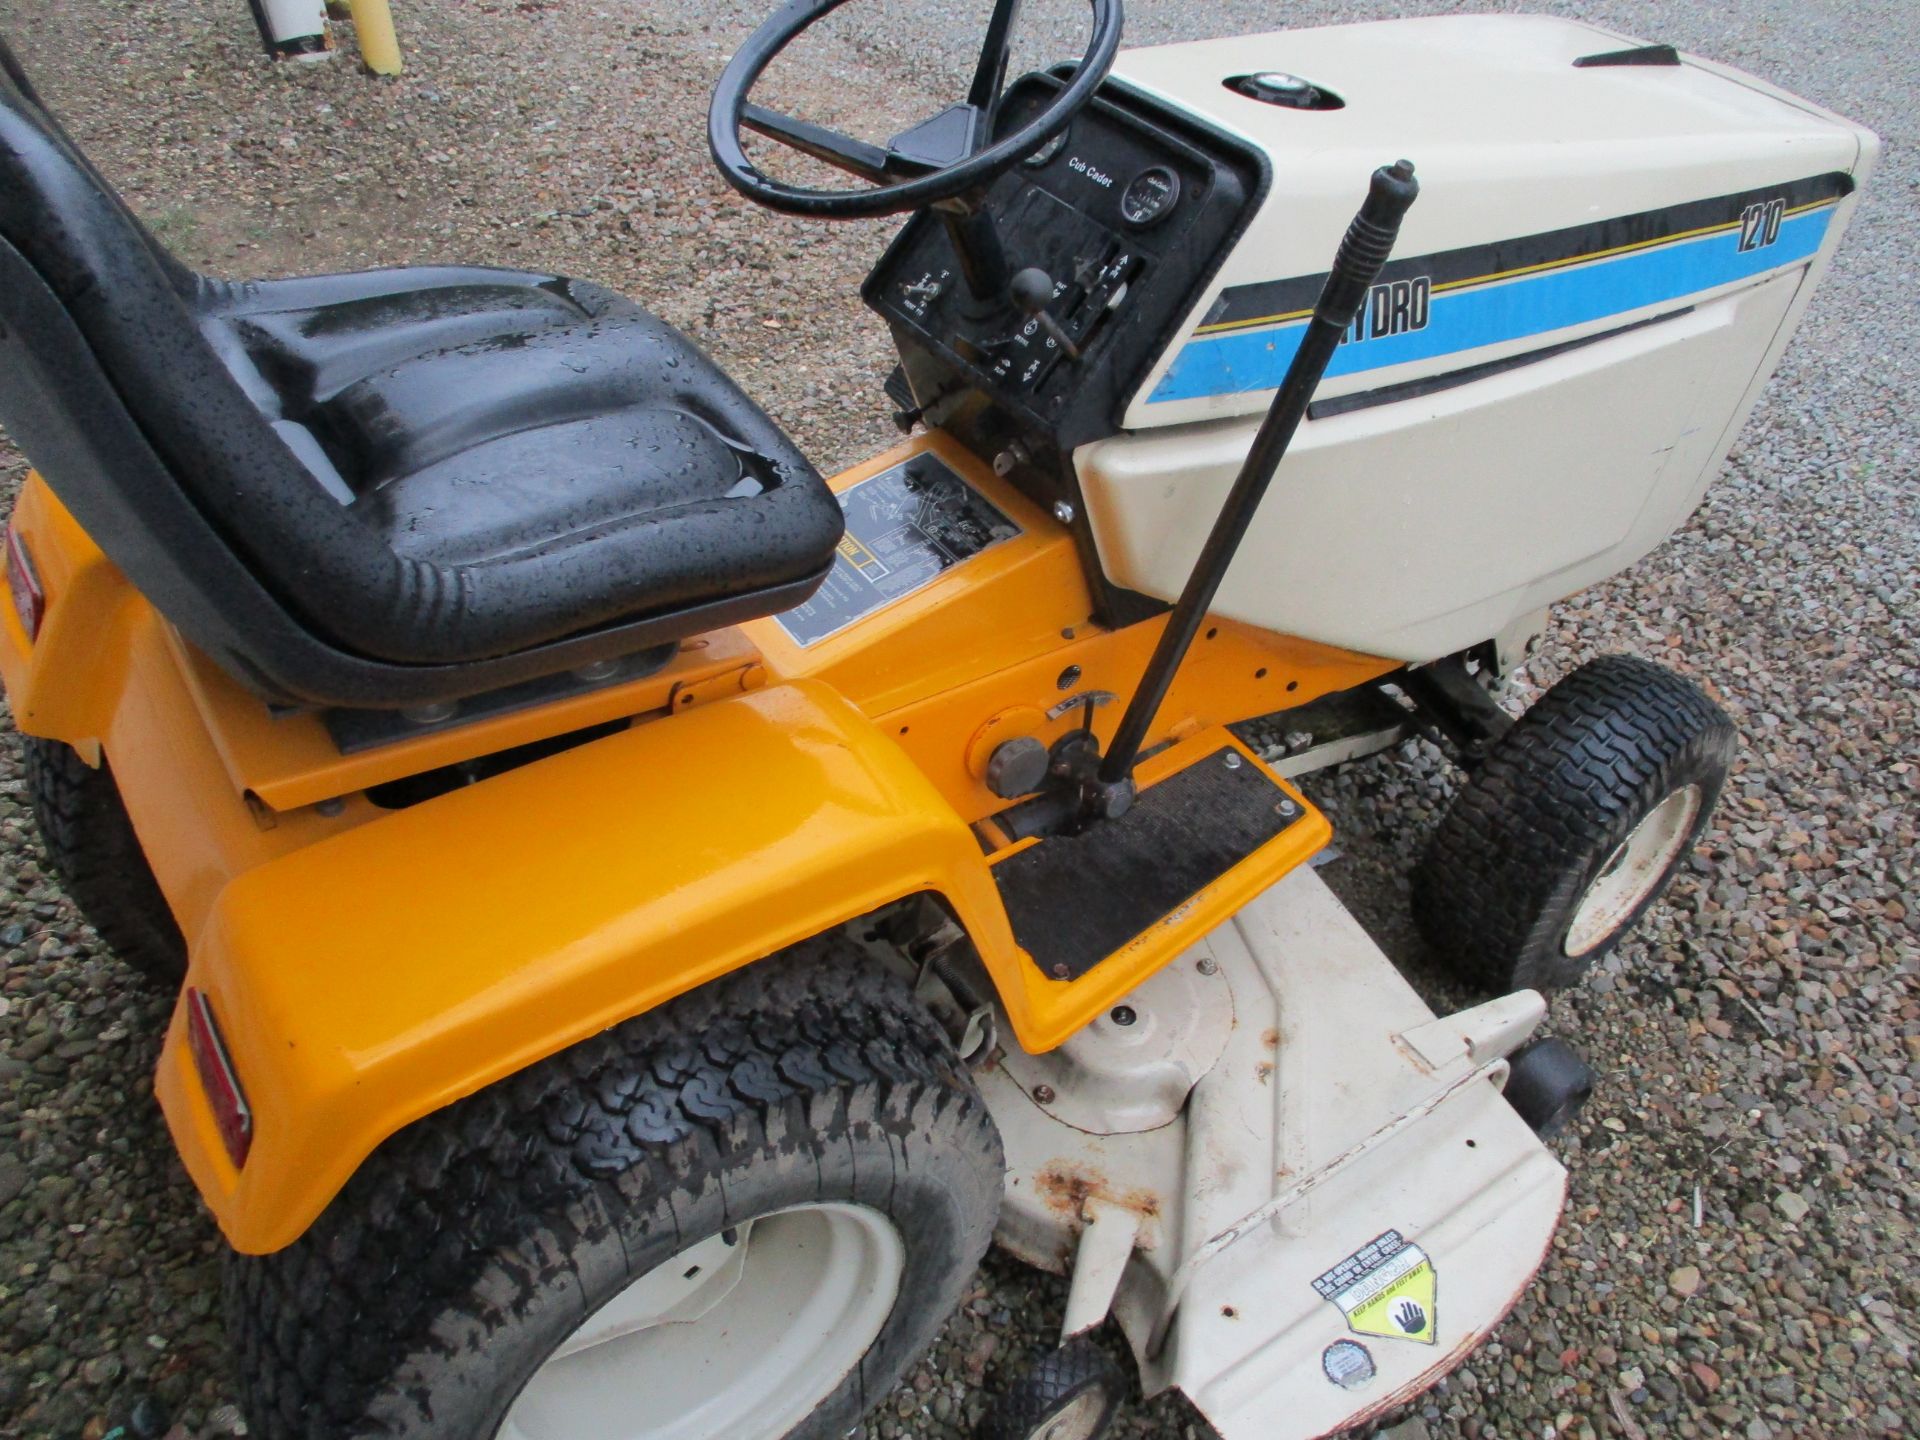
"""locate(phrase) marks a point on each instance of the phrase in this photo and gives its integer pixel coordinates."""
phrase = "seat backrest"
(125, 407)
(17, 94)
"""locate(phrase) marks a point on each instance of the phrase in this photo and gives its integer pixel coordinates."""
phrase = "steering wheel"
(942, 158)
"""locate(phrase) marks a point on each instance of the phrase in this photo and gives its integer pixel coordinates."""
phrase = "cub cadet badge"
(1387, 1288)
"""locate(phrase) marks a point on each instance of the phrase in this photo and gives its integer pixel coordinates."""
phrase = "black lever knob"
(1369, 240)
(1031, 291)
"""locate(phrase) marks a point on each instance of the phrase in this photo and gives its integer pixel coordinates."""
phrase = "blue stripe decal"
(1242, 361)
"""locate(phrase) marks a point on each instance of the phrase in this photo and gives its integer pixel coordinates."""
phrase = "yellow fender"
(373, 977)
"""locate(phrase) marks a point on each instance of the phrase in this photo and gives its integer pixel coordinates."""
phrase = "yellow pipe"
(373, 22)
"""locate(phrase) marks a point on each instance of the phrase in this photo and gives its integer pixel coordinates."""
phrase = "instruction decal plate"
(905, 528)
(1387, 1289)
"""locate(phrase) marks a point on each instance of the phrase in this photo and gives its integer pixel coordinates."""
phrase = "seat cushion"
(558, 458)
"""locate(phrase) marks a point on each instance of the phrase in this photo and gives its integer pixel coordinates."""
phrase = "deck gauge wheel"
(1548, 1084)
(1573, 825)
(1072, 1393)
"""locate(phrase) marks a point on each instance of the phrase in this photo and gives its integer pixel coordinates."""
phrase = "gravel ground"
(1760, 1039)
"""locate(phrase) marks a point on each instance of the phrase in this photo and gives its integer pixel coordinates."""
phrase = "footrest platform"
(1099, 912)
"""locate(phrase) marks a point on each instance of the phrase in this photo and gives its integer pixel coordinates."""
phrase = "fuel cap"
(1277, 87)
(1018, 767)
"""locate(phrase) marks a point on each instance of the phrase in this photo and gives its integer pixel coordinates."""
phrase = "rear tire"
(1573, 825)
(431, 1295)
(91, 844)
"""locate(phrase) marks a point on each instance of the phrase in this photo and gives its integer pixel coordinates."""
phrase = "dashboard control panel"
(1127, 213)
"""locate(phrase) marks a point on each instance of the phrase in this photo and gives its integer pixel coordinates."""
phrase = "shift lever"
(1032, 291)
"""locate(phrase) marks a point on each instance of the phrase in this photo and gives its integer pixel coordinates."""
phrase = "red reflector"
(230, 1110)
(24, 581)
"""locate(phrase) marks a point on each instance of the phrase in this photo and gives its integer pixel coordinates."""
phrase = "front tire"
(1573, 825)
(573, 1251)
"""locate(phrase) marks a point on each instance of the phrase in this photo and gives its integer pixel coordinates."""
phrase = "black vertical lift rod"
(1369, 240)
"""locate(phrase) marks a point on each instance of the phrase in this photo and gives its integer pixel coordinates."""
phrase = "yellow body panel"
(67, 683)
(1051, 1010)
(367, 966)
(360, 987)
(289, 760)
(1011, 602)
(104, 677)
(988, 645)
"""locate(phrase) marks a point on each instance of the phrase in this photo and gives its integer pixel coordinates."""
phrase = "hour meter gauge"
(1150, 196)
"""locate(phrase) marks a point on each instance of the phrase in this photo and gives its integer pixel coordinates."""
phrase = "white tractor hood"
(1511, 141)
(1600, 273)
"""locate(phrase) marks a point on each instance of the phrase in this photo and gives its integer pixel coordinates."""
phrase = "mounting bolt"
(1287, 808)
(1043, 1094)
(1233, 759)
(1063, 512)
(1122, 1015)
(1208, 965)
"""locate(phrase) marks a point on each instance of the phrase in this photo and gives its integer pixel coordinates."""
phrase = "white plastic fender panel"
(1400, 1174)
(1600, 273)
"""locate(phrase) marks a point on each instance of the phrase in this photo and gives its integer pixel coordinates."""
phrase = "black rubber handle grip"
(1368, 242)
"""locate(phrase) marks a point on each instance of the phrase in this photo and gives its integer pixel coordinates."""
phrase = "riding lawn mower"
(645, 917)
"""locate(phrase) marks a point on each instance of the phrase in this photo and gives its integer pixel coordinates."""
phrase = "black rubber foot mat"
(1075, 899)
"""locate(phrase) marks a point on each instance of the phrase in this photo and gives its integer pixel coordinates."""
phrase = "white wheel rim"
(1634, 870)
(1077, 1422)
(741, 1335)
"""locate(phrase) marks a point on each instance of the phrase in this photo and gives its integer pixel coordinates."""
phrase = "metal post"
(1362, 253)
(379, 47)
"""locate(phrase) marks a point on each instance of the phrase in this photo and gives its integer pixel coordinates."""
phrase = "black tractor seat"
(384, 489)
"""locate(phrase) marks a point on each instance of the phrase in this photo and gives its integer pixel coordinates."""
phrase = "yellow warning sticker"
(1386, 1288)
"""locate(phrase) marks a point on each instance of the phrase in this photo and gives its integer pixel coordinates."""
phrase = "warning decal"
(905, 528)
(1387, 1288)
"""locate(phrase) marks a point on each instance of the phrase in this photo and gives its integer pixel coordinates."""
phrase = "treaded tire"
(1044, 1394)
(1504, 875)
(470, 1245)
(91, 843)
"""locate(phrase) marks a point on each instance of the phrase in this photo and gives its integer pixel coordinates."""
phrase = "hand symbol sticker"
(1386, 1288)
